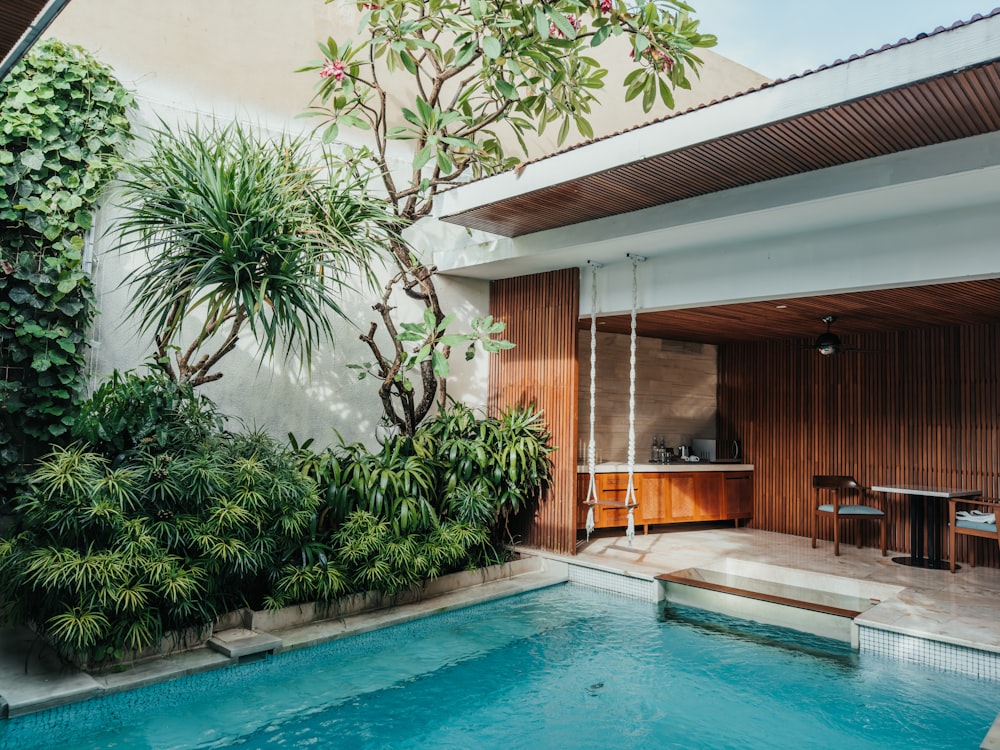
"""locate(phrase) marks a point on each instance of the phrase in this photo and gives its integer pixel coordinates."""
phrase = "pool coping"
(39, 682)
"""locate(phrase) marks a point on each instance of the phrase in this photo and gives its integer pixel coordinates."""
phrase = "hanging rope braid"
(592, 445)
(630, 499)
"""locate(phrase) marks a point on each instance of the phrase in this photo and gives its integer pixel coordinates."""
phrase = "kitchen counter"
(674, 467)
(676, 492)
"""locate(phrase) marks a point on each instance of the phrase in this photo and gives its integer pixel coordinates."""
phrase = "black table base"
(925, 513)
(923, 562)
(927, 516)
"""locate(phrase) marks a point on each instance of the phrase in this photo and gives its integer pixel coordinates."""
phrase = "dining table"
(927, 511)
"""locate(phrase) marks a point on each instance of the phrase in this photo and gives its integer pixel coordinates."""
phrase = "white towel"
(977, 516)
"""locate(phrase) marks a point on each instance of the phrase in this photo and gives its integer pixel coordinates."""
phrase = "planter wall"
(269, 621)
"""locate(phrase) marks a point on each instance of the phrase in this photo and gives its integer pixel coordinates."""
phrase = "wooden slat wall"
(541, 313)
(922, 408)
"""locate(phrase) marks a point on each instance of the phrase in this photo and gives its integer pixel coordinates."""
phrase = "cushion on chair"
(977, 526)
(853, 510)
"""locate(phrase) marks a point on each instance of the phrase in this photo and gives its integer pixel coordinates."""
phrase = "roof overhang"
(22, 22)
(934, 89)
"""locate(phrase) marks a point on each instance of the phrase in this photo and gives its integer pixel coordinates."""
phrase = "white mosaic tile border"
(982, 664)
(617, 583)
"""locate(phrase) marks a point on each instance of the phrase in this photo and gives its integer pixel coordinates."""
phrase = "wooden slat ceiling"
(960, 104)
(15, 18)
(961, 303)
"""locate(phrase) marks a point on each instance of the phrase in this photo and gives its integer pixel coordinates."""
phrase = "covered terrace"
(866, 190)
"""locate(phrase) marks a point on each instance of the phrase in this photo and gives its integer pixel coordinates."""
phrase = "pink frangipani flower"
(334, 68)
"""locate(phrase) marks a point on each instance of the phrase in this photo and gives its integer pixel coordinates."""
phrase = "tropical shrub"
(64, 129)
(379, 558)
(491, 468)
(158, 520)
(251, 232)
(151, 412)
(456, 469)
(396, 484)
(112, 550)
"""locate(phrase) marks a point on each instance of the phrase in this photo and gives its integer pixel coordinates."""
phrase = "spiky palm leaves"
(428, 504)
(111, 558)
(248, 231)
(381, 559)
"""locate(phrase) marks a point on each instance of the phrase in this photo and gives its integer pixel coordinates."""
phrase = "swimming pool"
(567, 666)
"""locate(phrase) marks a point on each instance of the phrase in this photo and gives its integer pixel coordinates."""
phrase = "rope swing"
(591, 500)
(630, 500)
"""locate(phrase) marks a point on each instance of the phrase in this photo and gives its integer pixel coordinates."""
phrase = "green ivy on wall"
(63, 128)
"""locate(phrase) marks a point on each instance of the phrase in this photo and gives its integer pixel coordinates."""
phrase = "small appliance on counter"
(704, 449)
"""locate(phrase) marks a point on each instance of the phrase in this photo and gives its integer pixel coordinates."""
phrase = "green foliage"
(394, 484)
(111, 551)
(492, 468)
(457, 469)
(477, 67)
(433, 343)
(152, 412)
(159, 520)
(63, 126)
(251, 231)
(382, 559)
(478, 76)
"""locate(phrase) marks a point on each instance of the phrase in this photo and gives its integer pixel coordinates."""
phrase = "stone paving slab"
(237, 643)
(32, 678)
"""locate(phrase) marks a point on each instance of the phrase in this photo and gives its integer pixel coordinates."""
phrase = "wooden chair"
(958, 527)
(839, 511)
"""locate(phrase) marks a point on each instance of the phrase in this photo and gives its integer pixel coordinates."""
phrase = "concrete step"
(238, 643)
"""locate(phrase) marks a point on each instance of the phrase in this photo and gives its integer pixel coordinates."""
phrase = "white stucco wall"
(189, 59)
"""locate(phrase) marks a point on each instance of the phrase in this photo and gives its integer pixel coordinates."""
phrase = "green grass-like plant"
(112, 550)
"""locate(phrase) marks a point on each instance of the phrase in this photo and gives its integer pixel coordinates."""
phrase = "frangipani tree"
(481, 74)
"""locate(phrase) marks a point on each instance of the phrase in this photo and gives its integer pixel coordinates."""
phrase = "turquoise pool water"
(565, 667)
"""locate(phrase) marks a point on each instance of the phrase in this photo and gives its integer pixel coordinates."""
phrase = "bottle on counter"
(661, 451)
(654, 450)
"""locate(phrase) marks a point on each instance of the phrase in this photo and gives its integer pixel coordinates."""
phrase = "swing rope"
(591, 500)
(630, 499)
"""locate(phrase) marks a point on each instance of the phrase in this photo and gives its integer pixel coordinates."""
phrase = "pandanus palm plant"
(250, 232)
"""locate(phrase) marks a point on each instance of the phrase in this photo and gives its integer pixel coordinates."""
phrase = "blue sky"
(780, 38)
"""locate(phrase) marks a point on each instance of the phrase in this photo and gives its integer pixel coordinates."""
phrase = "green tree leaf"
(491, 47)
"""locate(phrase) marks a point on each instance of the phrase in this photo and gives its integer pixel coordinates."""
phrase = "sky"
(781, 38)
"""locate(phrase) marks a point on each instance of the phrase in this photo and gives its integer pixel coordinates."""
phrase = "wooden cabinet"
(738, 495)
(680, 497)
(655, 494)
(668, 497)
